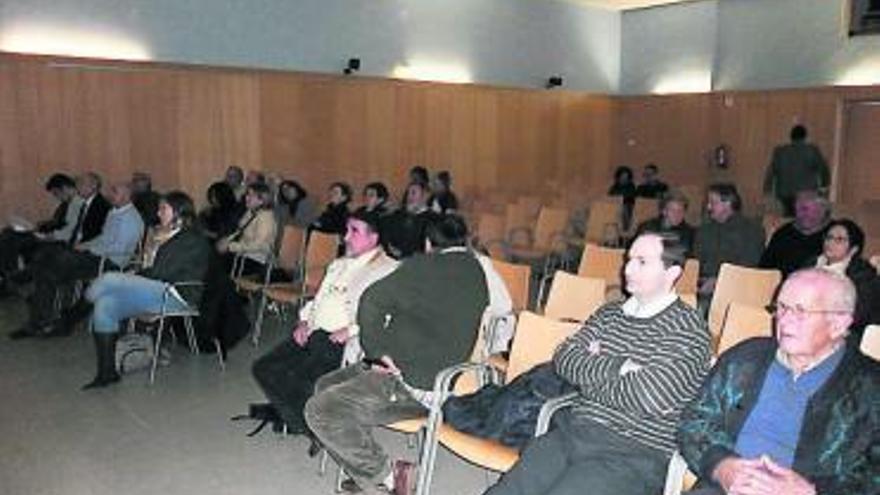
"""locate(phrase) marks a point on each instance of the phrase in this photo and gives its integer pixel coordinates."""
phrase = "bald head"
(836, 291)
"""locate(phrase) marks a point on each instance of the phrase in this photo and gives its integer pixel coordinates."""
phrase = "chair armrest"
(550, 408)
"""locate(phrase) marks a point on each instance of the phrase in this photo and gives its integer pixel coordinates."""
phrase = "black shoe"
(24, 332)
(348, 485)
(315, 447)
(102, 381)
(60, 328)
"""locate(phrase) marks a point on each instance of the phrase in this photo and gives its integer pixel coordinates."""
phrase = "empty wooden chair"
(604, 222)
(749, 286)
(517, 278)
(602, 262)
(490, 233)
(574, 298)
(687, 283)
(743, 322)
(644, 209)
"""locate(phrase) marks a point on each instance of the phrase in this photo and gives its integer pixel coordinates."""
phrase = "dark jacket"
(739, 241)
(332, 219)
(425, 315)
(93, 219)
(839, 445)
(183, 258)
(796, 167)
(789, 249)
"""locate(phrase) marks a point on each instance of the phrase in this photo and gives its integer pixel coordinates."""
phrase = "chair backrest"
(516, 277)
(743, 322)
(534, 342)
(603, 220)
(750, 286)
(320, 252)
(530, 205)
(687, 283)
(290, 250)
(644, 210)
(690, 299)
(516, 216)
(550, 227)
(870, 345)
(573, 297)
(490, 228)
(602, 262)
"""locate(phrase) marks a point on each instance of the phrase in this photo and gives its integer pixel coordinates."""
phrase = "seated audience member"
(404, 230)
(842, 253)
(418, 320)
(651, 186)
(333, 219)
(221, 217)
(375, 199)
(443, 200)
(637, 364)
(796, 414)
(254, 240)
(417, 175)
(94, 211)
(255, 177)
(235, 178)
(183, 257)
(726, 236)
(144, 198)
(798, 242)
(625, 187)
(673, 208)
(294, 204)
(327, 326)
(56, 265)
(16, 242)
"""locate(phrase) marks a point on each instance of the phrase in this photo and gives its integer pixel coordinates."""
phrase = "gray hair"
(840, 293)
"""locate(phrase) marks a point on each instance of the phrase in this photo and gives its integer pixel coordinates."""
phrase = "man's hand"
(387, 366)
(760, 477)
(222, 245)
(732, 469)
(339, 336)
(301, 334)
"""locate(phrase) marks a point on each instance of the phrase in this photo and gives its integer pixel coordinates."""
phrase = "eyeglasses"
(780, 309)
(837, 238)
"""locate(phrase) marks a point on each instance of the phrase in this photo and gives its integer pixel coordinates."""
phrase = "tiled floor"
(172, 438)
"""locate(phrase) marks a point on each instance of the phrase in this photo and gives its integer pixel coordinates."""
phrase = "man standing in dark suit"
(796, 166)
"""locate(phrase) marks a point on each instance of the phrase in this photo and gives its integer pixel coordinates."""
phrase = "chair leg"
(322, 463)
(258, 321)
(157, 348)
(219, 348)
(191, 339)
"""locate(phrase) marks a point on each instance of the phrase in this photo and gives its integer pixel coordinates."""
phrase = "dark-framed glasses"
(780, 309)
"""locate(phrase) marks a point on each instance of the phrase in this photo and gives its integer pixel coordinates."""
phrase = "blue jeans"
(117, 296)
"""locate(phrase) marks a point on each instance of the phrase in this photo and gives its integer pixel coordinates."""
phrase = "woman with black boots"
(184, 256)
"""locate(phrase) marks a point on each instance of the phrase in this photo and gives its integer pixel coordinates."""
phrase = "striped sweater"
(671, 354)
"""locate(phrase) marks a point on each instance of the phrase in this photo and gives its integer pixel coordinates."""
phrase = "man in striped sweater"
(637, 364)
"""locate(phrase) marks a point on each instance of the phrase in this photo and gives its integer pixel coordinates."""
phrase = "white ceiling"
(627, 4)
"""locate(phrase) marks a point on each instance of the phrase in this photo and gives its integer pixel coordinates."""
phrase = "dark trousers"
(14, 245)
(56, 266)
(287, 374)
(580, 457)
(347, 405)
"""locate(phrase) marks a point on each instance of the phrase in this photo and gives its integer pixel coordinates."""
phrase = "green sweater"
(425, 315)
(796, 167)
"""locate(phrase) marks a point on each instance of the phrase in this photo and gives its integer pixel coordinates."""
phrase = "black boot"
(105, 349)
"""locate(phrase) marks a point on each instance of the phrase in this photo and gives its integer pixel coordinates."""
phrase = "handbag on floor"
(134, 352)
(265, 413)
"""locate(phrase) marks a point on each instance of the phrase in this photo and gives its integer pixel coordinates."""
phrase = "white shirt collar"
(633, 307)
